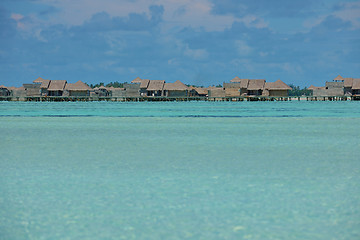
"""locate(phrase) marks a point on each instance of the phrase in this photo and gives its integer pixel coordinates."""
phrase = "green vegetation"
(111, 84)
(296, 91)
(197, 86)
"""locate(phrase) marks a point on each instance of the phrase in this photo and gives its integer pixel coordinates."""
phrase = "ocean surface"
(193, 170)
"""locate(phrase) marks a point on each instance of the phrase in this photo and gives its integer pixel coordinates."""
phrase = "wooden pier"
(175, 99)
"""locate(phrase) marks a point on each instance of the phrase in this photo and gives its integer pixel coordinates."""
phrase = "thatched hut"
(78, 89)
(155, 88)
(117, 92)
(197, 91)
(276, 89)
(4, 91)
(44, 85)
(136, 80)
(17, 92)
(255, 87)
(242, 85)
(176, 89)
(132, 89)
(144, 83)
(348, 83)
(102, 91)
(32, 89)
(201, 92)
(232, 89)
(339, 79)
(216, 92)
(356, 87)
(56, 87)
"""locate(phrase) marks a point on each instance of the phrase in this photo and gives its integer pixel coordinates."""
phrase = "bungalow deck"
(172, 99)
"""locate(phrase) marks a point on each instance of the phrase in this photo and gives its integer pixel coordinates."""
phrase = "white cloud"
(194, 13)
(18, 17)
(174, 62)
(348, 12)
(242, 47)
(115, 43)
(253, 21)
(196, 54)
(292, 68)
(351, 13)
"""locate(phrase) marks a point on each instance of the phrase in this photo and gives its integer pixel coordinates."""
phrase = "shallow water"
(195, 170)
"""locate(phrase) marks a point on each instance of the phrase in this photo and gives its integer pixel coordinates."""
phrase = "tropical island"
(237, 89)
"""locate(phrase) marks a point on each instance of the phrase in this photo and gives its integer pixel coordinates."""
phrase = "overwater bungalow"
(216, 92)
(232, 89)
(176, 89)
(44, 85)
(132, 89)
(32, 89)
(102, 91)
(56, 87)
(255, 87)
(4, 91)
(356, 87)
(77, 89)
(117, 92)
(17, 91)
(197, 91)
(338, 87)
(313, 88)
(241, 85)
(144, 83)
(276, 89)
(155, 88)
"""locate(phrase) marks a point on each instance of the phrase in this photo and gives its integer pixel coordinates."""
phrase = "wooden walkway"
(177, 99)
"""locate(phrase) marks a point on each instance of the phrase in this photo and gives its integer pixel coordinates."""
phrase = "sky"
(200, 42)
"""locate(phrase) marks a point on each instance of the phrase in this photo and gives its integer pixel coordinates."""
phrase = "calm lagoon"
(194, 170)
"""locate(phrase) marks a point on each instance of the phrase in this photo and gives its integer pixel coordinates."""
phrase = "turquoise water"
(195, 170)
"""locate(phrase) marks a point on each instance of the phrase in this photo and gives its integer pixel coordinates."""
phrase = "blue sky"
(202, 42)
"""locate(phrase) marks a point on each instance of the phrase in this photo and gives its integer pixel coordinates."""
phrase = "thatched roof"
(236, 79)
(201, 91)
(116, 89)
(356, 83)
(57, 85)
(39, 80)
(339, 78)
(78, 86)
(348, 82)
(278, 85)
(2, 86)
(44, 82)
(144, 83)
(243, 82)
(16, 88)
(212, 87)
(176, 86)
(103, 87)
(312, 87)
(256, 84)
(156, 85)
(136, 80)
